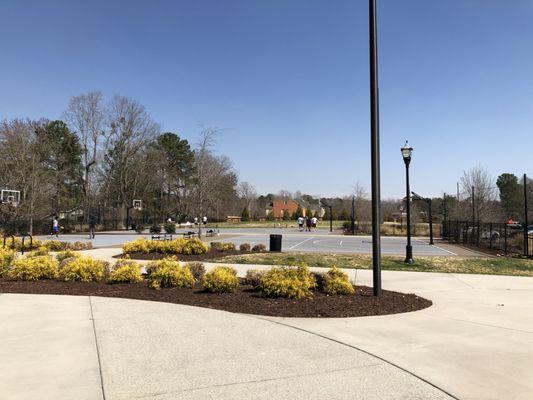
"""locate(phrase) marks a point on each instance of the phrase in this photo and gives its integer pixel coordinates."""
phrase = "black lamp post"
(406, 154)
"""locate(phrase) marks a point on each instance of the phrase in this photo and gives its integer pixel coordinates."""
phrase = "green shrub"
(253, 277)
(194, 246)
(197, 269)
(125, 271)
(338, 282)
(168, 273)
(83, 268)
(259, 247)
(139, 228)
(63, 255)
(221, 280)
(155, 229)
(7, 256)
(244, 247)
(292, 282)
(32, 268)
(17, 244)
(320, 279)
(170, 227)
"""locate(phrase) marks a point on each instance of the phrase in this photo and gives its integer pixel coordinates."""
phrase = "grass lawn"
(492, 266)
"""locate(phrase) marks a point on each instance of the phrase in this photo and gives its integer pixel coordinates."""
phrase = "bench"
(211, 233)
(164, 236)
(189, 234)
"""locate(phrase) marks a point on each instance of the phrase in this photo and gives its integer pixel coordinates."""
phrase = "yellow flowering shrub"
(176, 246)
(169, 273)
(39, 251)
(337, 282)
(32, 268)
(7, 256)
(63, 255)
(194, 246)
(126, 271)
(83, 268)
(221, 280)
(292, 282)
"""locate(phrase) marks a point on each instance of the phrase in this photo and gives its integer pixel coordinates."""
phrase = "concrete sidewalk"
(475, 342)
(149, 350)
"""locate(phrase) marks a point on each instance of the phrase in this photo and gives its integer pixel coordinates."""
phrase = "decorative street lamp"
(406, 154)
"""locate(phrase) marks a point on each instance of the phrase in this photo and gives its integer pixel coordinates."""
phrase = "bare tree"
(131, 128)
(477, 184)
(86, 116)
(248, 194)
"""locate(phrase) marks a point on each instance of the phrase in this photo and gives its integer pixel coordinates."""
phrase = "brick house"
(279, 206)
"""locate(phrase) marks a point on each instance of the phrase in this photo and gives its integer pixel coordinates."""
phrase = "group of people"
(56, 228)
(307, 224)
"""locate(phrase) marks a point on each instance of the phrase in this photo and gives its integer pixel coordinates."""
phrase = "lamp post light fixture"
(406, 154)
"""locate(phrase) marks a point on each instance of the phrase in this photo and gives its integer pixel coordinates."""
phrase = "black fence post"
(490, 236)
(505, 239)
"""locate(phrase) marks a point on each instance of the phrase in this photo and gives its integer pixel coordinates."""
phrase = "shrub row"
(50, 245)
(176, 246)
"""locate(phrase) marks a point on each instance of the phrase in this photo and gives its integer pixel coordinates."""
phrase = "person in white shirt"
(205, 220)
(300, 223)
(314, 221)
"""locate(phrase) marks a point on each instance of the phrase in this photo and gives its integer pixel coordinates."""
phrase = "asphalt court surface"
(319, 241)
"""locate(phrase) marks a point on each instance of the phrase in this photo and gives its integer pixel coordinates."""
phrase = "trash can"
(275, 243)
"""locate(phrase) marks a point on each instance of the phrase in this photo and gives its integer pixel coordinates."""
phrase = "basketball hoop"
(10, 197)
(137, 205)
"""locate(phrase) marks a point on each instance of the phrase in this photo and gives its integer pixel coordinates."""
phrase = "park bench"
(164, 236)
(211, 233)
(189, 234)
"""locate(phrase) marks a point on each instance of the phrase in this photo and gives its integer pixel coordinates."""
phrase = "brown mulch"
(245, 300)
(210, 255)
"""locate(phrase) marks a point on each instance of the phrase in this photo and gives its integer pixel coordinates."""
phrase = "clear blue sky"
(287, 80)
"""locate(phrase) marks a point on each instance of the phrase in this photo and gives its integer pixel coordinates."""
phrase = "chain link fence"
(498, 238)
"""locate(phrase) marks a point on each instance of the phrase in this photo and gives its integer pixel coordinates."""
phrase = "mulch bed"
(210, 255)
(245, 300)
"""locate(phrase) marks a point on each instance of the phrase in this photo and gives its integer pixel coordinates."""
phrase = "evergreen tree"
(286, 215)
(510, 195)
(245, 215)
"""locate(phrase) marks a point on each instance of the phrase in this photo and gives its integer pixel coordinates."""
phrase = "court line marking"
(303, 241)
(440, 248)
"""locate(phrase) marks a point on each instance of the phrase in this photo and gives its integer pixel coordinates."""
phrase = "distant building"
(279, 206)
(233, 219)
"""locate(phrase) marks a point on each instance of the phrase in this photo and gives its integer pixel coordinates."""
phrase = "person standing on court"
(300, 223)
(308, 224)
(55, 227)
(314, 221)
(92, 226)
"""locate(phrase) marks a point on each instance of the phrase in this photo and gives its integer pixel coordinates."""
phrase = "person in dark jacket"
(92, 226)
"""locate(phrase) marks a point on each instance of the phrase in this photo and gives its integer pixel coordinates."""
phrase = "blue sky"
(287, 81)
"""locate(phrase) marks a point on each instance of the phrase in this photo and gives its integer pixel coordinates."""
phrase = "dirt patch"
(245, 300)
(210, 255)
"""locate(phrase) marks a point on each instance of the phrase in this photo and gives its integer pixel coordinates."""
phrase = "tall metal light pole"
(374, 147)
(526, 222)
(406, 154)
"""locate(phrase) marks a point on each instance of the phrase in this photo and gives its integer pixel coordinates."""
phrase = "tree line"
(100, 156)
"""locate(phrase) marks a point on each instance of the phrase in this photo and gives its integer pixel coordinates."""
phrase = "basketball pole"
(374, 139)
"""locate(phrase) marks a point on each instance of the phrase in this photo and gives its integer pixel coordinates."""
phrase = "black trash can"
(275, 243)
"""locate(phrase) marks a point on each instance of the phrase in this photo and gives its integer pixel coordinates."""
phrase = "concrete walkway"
(65, 348)
(475, 342)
